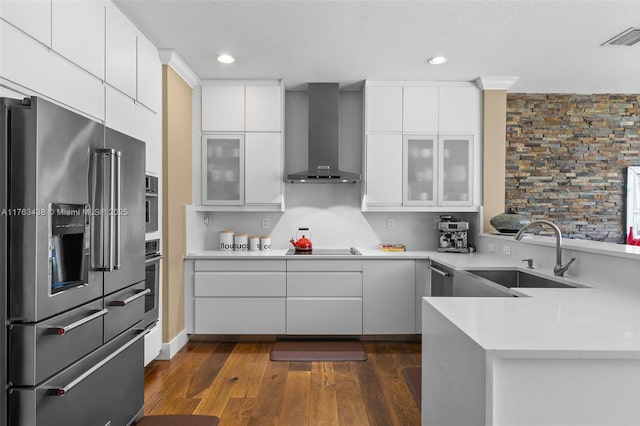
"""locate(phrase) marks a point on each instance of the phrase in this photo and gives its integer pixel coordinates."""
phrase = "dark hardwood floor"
(238, 383)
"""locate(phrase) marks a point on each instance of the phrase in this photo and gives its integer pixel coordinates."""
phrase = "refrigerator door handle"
(109, 211)
(100, 212)
(97, 218)
(63, 390)
(130, 299)
(117, 211)
(62, 330)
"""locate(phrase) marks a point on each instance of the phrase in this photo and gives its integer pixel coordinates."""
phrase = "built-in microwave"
(151, 203)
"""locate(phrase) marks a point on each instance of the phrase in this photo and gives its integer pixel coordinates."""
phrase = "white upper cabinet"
(455, 182)
(33, 17)
(121, 52)
(420, 109)
(383, 169)
(263, 108)
(223, 108)
(223, 169)
(420, 170)
(78, 33)
(383, 109)
(242, 108)
(48, 74)
(121, 113)
(422, 146)
(459, 109)
(263, 168)
(149, 75)
(251, 112)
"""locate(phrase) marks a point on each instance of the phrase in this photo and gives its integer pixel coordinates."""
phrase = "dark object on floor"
(343, 350)
(178, 420)
(413, 376)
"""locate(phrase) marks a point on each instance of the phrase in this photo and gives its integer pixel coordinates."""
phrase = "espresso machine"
(453, 235)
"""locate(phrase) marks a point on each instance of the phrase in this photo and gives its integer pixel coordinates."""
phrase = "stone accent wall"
(566, 160)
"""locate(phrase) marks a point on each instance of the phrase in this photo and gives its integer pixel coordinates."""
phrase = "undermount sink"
(515, 278)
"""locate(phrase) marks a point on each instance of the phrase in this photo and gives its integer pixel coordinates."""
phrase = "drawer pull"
(63, 390)
(61, 331)
(130, 299)
(439, 272)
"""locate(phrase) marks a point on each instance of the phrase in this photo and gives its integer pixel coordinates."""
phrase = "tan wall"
(176, 169)
(494, 137)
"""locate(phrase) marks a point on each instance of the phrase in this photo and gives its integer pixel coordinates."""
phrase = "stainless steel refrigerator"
(72, 266)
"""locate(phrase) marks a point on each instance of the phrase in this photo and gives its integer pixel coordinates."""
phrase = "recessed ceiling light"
(437, 60)
(226, 59)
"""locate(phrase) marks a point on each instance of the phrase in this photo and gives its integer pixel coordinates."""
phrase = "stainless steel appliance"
(152, 282)
(453, 235)
(324, 138)
(151, 203)
(72, 255)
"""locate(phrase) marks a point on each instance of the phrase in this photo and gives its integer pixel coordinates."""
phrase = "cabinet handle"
(130, 299)
(63, 390)
(62, 330)
(439, 272)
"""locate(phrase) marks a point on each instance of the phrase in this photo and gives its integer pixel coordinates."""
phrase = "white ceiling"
(552, 46)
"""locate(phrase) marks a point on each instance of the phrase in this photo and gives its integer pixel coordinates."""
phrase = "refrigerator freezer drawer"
(37, 351)
(126, 308)
(106, 387)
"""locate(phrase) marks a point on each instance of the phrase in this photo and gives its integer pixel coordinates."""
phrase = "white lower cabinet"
(324, 315)
(239, 297)
(246, 315)
(324, 297)
(388, 297)
(303, 296)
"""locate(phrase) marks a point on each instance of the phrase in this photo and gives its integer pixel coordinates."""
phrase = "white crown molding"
(170, 57)
(495, 83)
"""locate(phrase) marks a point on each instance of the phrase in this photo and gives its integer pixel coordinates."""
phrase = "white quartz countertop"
(281, 254)
(548, 323)
(594, 321)
(452, 260)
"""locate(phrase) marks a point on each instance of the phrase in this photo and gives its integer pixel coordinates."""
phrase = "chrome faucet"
(558, 270)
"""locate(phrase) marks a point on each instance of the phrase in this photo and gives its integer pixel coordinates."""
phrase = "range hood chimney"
(324, 130)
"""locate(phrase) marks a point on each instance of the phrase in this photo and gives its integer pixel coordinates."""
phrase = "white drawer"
(240, 265)
(309, 265)
(240, 284)
(328, 316)
(330, 284)
(240, 316)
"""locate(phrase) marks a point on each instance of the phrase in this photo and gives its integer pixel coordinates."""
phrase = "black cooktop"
(325, 252)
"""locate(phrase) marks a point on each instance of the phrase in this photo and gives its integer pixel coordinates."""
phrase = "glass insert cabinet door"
(420, 153)
(223, 169)
(456, 170)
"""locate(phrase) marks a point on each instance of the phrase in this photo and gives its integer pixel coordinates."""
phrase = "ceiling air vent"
(628, 37)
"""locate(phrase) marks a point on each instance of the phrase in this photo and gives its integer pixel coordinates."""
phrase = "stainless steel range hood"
(324, 112)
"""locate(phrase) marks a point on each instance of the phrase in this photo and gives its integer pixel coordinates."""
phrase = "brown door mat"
(342, 350)
(178, 420)
(413, 376)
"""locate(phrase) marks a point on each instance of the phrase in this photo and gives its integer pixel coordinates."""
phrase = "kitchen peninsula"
(550, 356)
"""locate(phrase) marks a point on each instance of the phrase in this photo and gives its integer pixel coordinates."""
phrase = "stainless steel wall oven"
(151, 203)
(152, 282)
